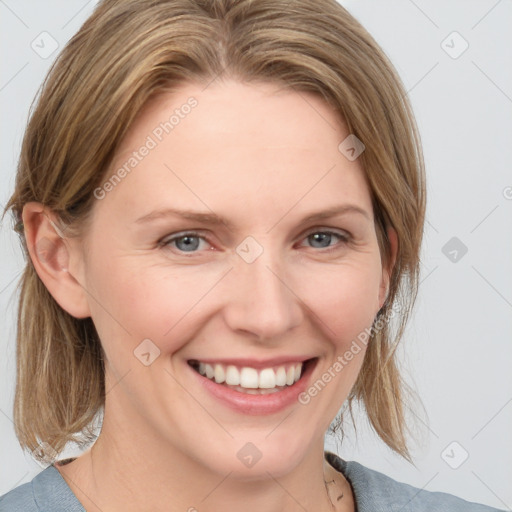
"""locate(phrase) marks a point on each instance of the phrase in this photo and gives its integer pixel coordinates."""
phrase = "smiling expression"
(273, 261)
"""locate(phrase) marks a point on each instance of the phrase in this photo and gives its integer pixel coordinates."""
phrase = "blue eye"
(187, 242)
(325, 238)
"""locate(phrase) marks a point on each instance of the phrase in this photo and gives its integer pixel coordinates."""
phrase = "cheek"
(344, 298)
(134, 303)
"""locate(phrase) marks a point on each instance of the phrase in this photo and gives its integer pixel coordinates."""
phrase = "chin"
(255, 456)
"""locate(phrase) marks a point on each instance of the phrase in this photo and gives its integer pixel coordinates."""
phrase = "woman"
(222, 204)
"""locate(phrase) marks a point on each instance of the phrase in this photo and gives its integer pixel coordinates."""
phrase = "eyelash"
(344, 237)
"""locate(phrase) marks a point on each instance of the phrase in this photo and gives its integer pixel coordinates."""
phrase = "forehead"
(257, 149)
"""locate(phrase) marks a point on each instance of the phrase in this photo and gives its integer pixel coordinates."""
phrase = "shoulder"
(376, 492)
(19, 499)
(46, 491)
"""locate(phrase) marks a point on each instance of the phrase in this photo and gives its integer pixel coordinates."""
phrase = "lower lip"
(257, 404)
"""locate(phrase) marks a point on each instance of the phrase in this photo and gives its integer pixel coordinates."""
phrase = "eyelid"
(185, 232)
(326, 229)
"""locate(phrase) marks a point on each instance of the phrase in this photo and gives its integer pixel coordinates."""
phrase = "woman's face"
(254, 285)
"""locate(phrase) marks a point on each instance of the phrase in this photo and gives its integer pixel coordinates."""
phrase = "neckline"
(64, 492)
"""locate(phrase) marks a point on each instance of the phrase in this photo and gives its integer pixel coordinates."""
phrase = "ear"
(51, 254)
(387, 269)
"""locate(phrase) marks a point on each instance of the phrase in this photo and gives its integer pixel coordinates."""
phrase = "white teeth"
(232, 375)
(281, 376)
(267, 378)
(290, 375)
(298, 368)
(220, 375)
(209, 371)
(250, 378)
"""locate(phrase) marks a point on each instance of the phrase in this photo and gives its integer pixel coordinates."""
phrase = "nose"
(261, 298)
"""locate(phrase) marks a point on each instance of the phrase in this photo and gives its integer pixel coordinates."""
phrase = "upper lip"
(254, 363)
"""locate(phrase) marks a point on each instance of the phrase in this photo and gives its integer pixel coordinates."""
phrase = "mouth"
(252, 380)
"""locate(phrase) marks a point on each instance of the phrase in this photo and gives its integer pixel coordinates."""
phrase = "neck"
(128, 471)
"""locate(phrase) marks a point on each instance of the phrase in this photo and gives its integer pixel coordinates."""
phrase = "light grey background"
(457, 352)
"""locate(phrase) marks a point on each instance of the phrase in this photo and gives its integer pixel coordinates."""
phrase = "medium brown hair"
(126, 52)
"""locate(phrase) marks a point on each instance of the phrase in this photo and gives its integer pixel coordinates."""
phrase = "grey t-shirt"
(373, 492)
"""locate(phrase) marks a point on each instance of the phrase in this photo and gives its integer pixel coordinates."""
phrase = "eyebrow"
(215, 220)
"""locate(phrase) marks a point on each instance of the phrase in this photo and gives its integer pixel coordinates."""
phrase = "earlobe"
(387, 269)
(50, 254)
